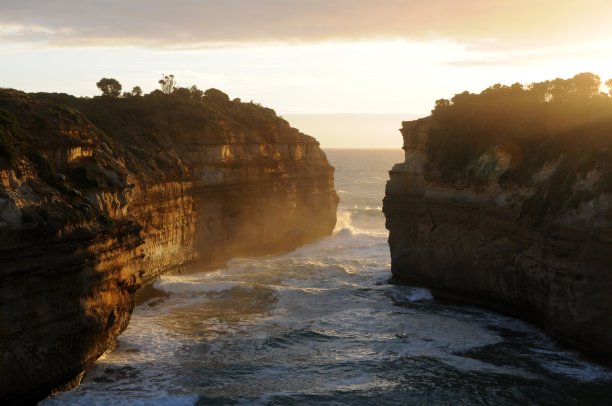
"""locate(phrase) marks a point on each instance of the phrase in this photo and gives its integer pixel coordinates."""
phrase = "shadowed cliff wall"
(540, 249)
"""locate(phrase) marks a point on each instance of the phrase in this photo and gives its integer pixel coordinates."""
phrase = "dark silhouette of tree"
(182, 92)
(468, 124)
(585, 85)
(109, 87)
(216, 95)
(136, 91)
(441, 106)
(541, 91)
(167, 83)
(196, 93)
(156, 93)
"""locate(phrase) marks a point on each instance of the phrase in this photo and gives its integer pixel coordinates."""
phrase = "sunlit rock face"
(479, 243)
(91, 208)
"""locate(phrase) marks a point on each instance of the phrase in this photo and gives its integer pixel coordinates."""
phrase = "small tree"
(167, 83)
(136, 91)
(109, 87)
(196, 93)
(609, 84)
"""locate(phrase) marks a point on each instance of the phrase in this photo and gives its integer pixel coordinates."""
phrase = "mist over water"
(323, 325)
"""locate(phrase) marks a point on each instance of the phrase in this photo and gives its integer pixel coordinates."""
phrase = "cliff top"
(210, 118)
(553, 136)
(57, 148)
(140, 128)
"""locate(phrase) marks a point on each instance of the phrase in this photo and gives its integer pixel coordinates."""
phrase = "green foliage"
(109, 87)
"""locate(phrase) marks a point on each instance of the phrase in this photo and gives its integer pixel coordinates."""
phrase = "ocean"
(323, 325)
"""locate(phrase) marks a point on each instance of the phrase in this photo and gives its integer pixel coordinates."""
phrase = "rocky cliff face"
(93, 206)
(489, 242)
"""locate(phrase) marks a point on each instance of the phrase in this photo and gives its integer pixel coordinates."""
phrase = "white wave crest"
(346, 228)
(193, 287)
(419, 294)
(190, 286)
(344, 223)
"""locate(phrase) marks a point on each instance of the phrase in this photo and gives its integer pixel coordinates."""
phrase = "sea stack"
(100, 196)
(505, 200)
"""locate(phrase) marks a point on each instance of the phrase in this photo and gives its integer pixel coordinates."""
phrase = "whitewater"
(323, 325)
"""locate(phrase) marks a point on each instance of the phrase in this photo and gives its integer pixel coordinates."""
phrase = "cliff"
(100, 196)
(515, 219)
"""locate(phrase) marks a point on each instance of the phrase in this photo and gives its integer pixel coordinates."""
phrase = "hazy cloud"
(481, 23)
(531, 57)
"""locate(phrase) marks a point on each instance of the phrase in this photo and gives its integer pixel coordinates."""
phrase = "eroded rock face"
(87, 217)
(477, 243)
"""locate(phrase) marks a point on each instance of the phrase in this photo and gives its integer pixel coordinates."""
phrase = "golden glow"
(355, 56)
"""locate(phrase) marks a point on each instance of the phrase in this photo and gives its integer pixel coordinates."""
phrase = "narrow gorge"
(504, 200)
(100, 196)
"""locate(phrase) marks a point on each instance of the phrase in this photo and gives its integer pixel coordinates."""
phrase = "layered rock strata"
(478, 242)
(93, 207)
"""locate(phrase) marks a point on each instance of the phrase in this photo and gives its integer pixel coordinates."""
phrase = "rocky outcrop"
(490, 243)
(94, 205)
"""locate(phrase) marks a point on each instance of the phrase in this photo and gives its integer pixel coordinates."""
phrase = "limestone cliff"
(99, 196)
(519, 247)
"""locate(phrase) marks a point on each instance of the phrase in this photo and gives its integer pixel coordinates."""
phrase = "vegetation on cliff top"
(143, 126)
(565, 123)
(146, 126)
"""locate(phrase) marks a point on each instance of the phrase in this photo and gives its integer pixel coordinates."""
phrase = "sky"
(320, 64)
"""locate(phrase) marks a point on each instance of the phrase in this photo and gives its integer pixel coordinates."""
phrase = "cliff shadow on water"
(99, 196)
(504, 199)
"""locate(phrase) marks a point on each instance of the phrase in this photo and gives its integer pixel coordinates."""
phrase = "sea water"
(323, 325)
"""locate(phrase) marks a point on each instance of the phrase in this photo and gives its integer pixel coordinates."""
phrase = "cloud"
(534, 57)
(480, 23)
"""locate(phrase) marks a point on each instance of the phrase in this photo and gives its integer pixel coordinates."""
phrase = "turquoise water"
(323, 325)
